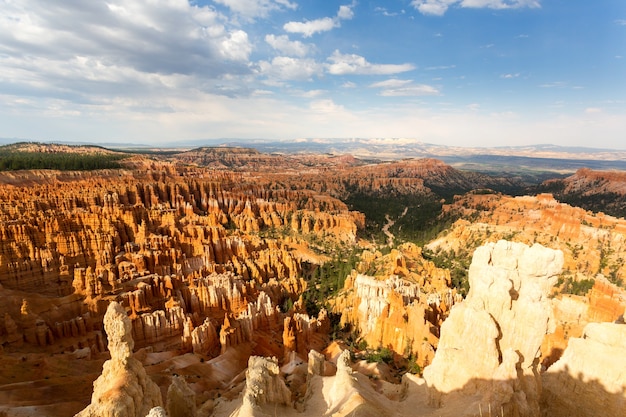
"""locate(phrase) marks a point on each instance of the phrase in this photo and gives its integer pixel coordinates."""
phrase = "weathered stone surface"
(589, 379)
(264, 386)
(302, 333)
(181, 400)
(400, 308)
(124, 389)
(490, 343)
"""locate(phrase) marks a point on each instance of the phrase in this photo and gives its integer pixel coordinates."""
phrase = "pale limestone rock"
(490, 344)
(264, 385)
(181, 400)
(157, 412)
(590, 377)
(124, 389)
(315, 364)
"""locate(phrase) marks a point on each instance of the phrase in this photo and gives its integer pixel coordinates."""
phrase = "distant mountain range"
(504, 159)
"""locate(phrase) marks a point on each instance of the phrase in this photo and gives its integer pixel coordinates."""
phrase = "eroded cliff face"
(199, 259)
(209, 266)
(591, 243)
(490, 343)
(487, 361)
(397, 301)
(593, 246)
(593, 190)
(589, 378)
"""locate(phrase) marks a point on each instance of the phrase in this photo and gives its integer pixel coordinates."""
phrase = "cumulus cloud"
(309, 28)
(404, 88)
(287, 47)
(257, 8)
(342, 64)
(439, 7)
(289, 68)
(75, 50)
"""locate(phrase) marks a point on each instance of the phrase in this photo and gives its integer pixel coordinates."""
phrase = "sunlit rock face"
(589, 379)
(401, 306)
(124, 389)
(490, 344)
(264, 386)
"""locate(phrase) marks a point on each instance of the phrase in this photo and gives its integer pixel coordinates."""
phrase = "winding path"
(390, 222)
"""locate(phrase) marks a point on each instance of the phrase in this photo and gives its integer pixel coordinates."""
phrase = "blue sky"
(451, 72)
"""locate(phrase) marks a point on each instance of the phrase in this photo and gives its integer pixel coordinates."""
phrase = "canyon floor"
(232, 282)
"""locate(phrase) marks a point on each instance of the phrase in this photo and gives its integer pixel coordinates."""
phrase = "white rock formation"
(124, 389)
(489, 347)
(590, 378)
(181, 400)
(264, 386)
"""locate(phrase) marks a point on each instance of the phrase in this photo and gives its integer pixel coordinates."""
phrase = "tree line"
(13, 161)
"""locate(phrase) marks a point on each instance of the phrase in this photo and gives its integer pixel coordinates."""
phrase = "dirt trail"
(390, 222)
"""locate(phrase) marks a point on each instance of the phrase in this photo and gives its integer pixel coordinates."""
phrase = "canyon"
(218, 282)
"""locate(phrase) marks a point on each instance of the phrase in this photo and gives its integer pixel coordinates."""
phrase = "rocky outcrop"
(124, 389)
(264, 386)
(589, 379)
(302, 333)
(591, 243)
(402, 306)
(262, 315)
(181, 400)
(489, 348)
(572, 313)
(592, 190)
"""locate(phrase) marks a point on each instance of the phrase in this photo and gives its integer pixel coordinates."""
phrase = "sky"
(448, 72)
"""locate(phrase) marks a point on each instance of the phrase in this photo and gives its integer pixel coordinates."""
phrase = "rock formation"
(264, 386)
(589, 379)
(489, 348)
(199, 264)
(400, 308)
(592, 190)
(124, 389)
(591, 243)
(181, 400)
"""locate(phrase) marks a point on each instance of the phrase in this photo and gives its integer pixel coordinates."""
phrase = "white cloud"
(312, 93)
(391, 83)
(387, 13)
(257, 8)
(403, 88)
(325, 106)
(621, 22)
(309, 28)
(345, 12)
(439, 7)
(120, 36)
(342, 64)
(433, 7)
(287, 47)
(509, 76)
(235, 46)
(593, 110)
(289, 68)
